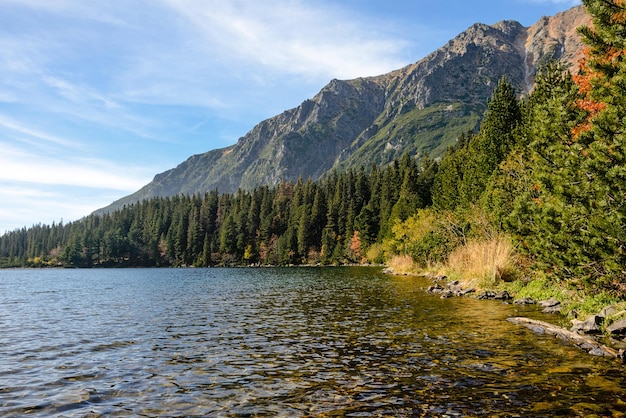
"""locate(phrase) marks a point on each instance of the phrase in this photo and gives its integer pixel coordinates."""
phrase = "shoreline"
(593, 326)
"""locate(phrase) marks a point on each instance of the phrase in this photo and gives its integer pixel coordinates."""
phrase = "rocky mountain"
(421, 109)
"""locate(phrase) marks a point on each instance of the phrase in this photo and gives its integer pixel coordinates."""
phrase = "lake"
(346, 341)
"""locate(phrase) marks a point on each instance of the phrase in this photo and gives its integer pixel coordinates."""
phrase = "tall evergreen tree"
(447, 182)
(493, 142)
(523, 193)
(603, 142)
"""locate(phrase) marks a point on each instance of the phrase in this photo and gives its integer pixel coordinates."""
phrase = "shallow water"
(279, 342)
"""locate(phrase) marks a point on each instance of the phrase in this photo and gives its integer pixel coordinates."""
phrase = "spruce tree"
(445, 191)
(493, 143)
(603, 137)
(534, 174)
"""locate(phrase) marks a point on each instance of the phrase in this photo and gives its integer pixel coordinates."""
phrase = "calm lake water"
(279, 342)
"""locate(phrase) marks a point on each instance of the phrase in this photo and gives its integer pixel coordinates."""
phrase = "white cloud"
(284, 36)
(571, 3)
(72, 172)
(25, 165)
(25, 204)
(43, 186)
(34, 134)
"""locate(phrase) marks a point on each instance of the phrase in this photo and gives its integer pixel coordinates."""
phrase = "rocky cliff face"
(421, 108)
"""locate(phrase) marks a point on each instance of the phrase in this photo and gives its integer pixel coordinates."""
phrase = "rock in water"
(525, 301)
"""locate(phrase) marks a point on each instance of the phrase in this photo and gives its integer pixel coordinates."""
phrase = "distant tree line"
(330, 221)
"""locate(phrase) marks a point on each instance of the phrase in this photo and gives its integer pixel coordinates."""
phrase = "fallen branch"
(581, 341)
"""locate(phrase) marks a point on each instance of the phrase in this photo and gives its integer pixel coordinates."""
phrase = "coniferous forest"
(546, 172)
(331, 221)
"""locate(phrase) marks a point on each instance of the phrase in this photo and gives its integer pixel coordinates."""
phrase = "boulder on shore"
(550, 305)
(525, 301)
(452, 289)
(591, 325)
(617, 328)
(504, 295)
(608, 311)
(487, 295)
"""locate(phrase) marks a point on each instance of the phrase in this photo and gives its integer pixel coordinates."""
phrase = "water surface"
(279, 342)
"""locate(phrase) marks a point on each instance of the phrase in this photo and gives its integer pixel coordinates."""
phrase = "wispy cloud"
(293, 36)
(91, 59)
(26, 204)
(17, 164)
(571, 3)
(30, 135)
(77, 93)
(231, 56)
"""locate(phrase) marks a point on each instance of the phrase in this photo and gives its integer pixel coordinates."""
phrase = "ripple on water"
(278, 342)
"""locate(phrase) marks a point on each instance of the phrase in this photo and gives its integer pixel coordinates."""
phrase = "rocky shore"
(588, 334)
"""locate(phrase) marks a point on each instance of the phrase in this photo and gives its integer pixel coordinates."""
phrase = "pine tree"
(523, 192)
(318, 216)
(228, 236)
(304, 232)
(603, 144)
(493, 143)
(408, 200)
(447, 182)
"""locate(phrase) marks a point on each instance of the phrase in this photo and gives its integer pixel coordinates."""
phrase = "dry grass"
(482, 264)
(402, 264)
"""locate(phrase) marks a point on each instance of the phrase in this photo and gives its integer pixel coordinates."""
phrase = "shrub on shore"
(483, 264)
(403, 264)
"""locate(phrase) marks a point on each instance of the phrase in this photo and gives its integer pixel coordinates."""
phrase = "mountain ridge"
(420, 108)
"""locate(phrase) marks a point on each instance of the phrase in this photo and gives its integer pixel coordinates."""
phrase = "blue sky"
(98, 96)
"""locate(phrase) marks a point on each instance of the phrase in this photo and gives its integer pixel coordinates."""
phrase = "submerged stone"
(435, 289)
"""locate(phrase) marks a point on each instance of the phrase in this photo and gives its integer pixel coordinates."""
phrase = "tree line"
(330, 221)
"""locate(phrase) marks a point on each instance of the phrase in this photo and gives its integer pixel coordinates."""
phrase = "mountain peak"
(557, 36)
(419, 109)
